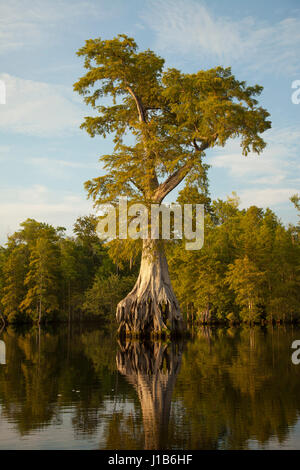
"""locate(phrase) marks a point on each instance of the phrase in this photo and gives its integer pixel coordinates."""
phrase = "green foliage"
(248, 269)
(41, 280)
(162, 121)
(102, 298)
(246, 281)
(13, 281)
(44, 275)
(172, 118)
(296, 201)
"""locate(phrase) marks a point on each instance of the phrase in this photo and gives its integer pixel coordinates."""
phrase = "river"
(78, 388)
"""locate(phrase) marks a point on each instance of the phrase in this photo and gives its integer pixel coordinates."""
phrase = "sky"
(45, 157)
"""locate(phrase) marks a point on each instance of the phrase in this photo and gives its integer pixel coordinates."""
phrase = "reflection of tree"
(27, 392)
(124, 431)
(242, 387)
(42, 373)
(2, 347)
(234, 386)
(152, 368)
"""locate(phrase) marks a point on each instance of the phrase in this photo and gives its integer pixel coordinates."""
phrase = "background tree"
(102, 298)
(14, 273)
(296, 201)
(70, 272)
(174, 118)
(231, 234)
(2, 262)
(92, 278)
(246, 280)
(91, 260)
(42, 297)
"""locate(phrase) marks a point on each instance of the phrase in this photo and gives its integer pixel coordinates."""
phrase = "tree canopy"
(170, 117)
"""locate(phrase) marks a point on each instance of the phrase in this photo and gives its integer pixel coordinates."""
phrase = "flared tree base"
(151, 308)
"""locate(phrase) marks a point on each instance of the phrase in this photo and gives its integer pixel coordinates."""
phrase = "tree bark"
(151, 308)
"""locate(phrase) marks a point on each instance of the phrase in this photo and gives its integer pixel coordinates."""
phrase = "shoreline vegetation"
(248, 271)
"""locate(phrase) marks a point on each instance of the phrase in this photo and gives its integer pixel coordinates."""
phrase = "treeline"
(247, 271)
(48, 276)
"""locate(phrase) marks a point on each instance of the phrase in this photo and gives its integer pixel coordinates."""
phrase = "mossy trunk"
(151, 308)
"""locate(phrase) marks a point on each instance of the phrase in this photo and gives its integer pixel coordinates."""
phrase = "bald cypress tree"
(174, 118)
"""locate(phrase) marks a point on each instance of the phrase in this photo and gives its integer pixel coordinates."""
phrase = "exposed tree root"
(151, 308)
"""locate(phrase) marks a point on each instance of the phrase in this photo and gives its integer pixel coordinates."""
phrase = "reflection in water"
(227, 389)
(152, 369)
(2, 347)
(2, 352)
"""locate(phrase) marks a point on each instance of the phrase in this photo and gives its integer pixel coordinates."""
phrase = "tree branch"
(138, 187)
(139, 105)
(142, 118)
(3, 321)
(205, 142)
(173, 180)
(196, 145)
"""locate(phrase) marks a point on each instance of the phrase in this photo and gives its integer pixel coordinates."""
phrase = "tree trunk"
(69, 302)
(40, 310)
(151, 308)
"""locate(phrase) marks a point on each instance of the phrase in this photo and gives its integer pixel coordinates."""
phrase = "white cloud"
(38, 202)
(59, 167)
(268, 197)
(190, 27)
(273, 175)
(38, 108)
(32, 22)
(277, 162)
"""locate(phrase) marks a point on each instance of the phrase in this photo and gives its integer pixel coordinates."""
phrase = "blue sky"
(44, 156)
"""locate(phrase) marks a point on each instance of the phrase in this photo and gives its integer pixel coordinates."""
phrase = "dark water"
(78, 389)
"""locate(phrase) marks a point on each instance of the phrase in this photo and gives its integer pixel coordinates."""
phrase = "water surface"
(80, 389)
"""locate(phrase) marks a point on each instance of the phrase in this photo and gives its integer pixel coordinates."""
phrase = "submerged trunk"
(151, 308)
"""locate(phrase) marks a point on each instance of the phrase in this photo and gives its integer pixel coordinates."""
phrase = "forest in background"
(247, 271)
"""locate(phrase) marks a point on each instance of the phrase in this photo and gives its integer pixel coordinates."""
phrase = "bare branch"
(196, 145)
(139, 105)
(138, 187)
(204, 141)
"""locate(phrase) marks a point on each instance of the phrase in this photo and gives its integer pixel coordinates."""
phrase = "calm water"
(79, 389)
